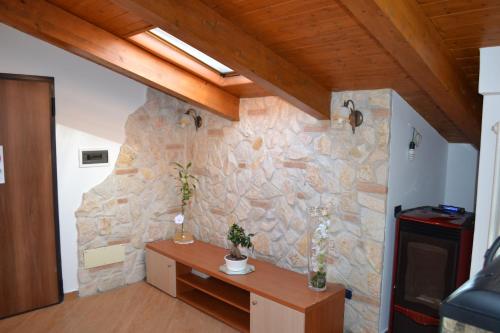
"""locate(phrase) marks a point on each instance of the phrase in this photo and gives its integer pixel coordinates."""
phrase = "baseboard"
(71, 296)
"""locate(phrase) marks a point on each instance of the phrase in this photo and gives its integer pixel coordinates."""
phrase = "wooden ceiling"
(320, 37)
(328, 41)
(323, 39)
(465, 26)
(105, 14)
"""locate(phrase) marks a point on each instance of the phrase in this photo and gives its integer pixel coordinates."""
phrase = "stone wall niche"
(262, 172)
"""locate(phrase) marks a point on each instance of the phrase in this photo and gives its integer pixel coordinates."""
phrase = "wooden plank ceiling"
(106, 15)
(325, 40)
(465, 26)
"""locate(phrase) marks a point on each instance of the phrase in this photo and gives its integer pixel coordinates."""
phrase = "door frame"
(50, 80)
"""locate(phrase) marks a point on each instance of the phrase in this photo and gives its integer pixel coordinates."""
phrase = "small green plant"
(187, 183)
(318, 280)
(238, 237)
(318, 248)
(187, 186)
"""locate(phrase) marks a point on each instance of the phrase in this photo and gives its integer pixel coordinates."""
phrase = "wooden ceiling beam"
(54, 25)
(205, 29)
(407, 34)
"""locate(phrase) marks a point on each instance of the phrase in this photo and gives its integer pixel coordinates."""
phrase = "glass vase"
(182, 235)
(318, 239)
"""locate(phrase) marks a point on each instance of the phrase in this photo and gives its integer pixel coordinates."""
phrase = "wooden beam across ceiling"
(54, 25)
(205, 29)
(407, 34)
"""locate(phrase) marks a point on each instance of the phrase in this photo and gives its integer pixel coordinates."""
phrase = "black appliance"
(476, 305)
(431, 259)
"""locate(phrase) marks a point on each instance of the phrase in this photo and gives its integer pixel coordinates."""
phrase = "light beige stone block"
(261, 243)
(87, 230)
(369, 201)
(104, 226)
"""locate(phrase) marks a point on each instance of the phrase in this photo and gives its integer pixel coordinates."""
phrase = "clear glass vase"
(182, 235)
(318, 239)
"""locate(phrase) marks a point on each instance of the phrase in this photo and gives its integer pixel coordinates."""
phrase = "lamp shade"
(184, 120)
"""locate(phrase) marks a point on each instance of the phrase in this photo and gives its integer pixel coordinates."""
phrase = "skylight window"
(209, 61)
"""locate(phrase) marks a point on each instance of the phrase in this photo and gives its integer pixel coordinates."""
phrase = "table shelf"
(270, 299)
(232, 316)
(216, 288)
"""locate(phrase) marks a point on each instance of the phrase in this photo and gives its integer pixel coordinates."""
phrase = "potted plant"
(318, 232)
(187, 186)
(235, 261)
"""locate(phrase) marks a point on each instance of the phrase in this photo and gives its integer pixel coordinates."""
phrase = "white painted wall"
(411, 183)
(489, 71)
(489, 87)
(461, 176)
(92, 105)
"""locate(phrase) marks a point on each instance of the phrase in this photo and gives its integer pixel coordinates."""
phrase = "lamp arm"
(191, 112)
(349, 101)
(196, 117)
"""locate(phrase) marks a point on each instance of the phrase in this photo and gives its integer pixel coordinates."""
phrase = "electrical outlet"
(348, 293)
(397, 210)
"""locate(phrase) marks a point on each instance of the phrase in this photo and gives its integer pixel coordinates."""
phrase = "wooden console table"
(271, 299)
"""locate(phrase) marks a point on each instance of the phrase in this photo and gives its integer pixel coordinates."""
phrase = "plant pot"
(236, 265)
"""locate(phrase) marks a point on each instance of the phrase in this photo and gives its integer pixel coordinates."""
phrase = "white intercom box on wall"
(93, 157)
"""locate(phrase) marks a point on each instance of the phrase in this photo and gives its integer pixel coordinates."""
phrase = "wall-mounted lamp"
(416, 137)
(348, 111)
(188, 116)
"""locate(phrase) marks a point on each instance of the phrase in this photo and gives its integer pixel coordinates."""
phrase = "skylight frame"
(194, 53)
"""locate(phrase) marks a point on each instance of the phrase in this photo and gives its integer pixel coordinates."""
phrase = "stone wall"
(265, 170)
(261, 172)
(138, 201)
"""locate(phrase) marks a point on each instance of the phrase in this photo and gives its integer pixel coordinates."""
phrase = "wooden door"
(269, 316)
(29, 255)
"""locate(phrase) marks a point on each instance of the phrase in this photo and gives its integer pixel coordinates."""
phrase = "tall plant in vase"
(187, 186)
(318, 226)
